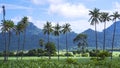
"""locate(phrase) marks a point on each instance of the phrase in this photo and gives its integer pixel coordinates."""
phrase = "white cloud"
(69, 10)
(117, 6)
(16, 19)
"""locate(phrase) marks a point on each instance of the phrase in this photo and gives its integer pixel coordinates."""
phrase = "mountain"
(33, 34)
(109, 35)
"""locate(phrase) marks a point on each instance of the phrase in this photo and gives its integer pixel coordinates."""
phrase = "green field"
(75, 62)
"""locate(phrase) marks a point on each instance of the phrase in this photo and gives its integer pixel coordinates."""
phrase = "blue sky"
(74, 12)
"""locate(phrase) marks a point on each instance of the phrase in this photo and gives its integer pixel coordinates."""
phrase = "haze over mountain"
(33, 35)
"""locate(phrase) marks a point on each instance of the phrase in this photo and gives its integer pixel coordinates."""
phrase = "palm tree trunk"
(23, 43)
(66, 45)
(18, 45)
(9, 43)
(58, 48)
(5, 56)
(113, 39)
(104, 37)
(49, 48)
(96, 40)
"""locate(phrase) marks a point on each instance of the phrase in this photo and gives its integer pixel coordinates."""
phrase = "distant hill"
(33, 35)
(109, 35)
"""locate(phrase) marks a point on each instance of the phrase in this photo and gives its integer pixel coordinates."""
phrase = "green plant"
(68, 54)
(71, 61)
(103, 55)
(84, 55)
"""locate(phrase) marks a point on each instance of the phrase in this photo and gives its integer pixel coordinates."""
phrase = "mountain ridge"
(33, 34)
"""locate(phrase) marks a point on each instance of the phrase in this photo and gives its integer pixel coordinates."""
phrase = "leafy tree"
(32, 52)
(47, 29)
(57, 31)
(81, 40)
(40, 52)
(94, 19)
(65, 30)
(104, 17)
(115, 16)
(50, 48)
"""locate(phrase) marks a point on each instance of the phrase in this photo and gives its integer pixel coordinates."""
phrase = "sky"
(74, 12)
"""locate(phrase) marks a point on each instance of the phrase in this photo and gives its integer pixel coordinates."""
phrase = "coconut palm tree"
(25, 23)
(9, 27)
(65, 30)
(47, 29)
(19, 28)
(115, 16)
(4, 32)
(57, 31)
(104, 17)
(94, 19)
(81, 40)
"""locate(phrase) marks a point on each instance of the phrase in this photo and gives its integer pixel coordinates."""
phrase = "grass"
(75, 62)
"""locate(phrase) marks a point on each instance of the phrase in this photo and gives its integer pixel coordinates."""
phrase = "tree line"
(96, 17)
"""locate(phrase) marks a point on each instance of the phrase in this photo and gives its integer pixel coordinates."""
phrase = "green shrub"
(103, 54)
(68, 54)
(84, 55)
(71, 61)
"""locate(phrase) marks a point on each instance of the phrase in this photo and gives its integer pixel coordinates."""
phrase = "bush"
(84, 55)
(103, 54)
(68, 54)
(93, 54)
(1, 54)
(71, 61)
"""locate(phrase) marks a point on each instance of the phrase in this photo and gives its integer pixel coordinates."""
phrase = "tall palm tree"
(9, 25)
(115, 16)
(4, 32)
(104, 17)
(19, 28)
(25, 23)
(65, 30)
(47, 29)
(57, 31)
(94, 19)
